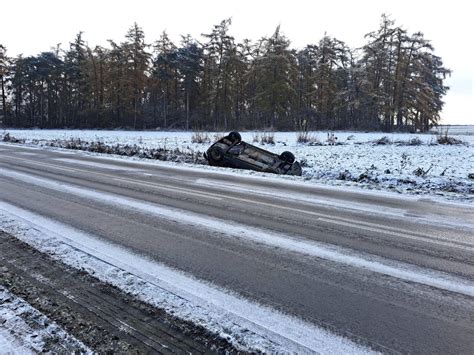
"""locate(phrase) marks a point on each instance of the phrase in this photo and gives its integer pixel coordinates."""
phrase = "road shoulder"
(104, 318)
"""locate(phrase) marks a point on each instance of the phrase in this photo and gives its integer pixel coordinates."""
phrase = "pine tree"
(136, 71)
(4, 72)
(276, 74)
(165, 76)
(190, 64)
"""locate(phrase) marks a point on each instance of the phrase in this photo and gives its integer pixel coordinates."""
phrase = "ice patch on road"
(330, 202)
(96, 164)
(249, 326)
(25, 330)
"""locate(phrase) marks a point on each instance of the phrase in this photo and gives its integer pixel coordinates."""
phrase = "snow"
(25, 330)
(354, 161)
(11, 345)
(96, 165)
(248, 325)
(233, 230)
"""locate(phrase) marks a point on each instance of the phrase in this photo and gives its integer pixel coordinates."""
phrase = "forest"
(394, 82)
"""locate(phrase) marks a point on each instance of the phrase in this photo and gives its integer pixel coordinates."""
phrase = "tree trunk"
(4, 99)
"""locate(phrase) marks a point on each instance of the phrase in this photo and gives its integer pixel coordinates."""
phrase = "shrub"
(9, 138)
(267, 138)
(304, 137)
(422, 172)
(332, 139)
(200, 137)
(444, 138)
(415, 141)
(383, 141)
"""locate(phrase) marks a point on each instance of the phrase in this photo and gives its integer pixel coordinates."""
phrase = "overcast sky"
(32, 26)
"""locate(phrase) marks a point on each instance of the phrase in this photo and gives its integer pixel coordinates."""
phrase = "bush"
(267, 138)
(332, 139)
(448, 140)
(10, 139)
(422, 172)
(304, 137)
(383, 141)
(200, 137)
(415, 141)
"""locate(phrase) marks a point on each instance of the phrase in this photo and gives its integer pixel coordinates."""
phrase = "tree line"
(394, 82)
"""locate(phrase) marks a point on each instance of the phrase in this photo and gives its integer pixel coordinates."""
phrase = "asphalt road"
(389, 311)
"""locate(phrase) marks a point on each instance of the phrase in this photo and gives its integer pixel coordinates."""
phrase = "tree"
(165, 76)
(190, 65)
(218, 66)
(276, 74)
(4, 72)
(136, 72)
(394, 82)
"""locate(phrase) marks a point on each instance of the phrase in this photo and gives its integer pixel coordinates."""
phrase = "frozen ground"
(412, 163)
(25, 330)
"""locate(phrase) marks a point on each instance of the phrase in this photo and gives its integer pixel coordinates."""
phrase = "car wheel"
(287, 157)
(216, 154)
(235, 137)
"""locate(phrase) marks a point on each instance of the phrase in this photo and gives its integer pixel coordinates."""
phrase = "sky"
(32, 26)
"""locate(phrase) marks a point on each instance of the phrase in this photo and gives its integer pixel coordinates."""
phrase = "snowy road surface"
(305, 266)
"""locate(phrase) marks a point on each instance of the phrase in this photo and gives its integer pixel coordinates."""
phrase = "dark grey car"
(230, 151)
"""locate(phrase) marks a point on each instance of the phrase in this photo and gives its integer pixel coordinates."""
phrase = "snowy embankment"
(25, 330)
(413, 163)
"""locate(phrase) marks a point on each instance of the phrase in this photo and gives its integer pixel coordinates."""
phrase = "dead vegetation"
(129, 150)
(200, 137)
(305, 137)
(383, 141)
(10, 139)
(264, 138)
(444, 138)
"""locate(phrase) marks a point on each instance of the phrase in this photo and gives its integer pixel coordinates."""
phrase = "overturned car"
(231, 152)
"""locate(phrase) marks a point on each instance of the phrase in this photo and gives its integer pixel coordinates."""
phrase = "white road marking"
(403, 271)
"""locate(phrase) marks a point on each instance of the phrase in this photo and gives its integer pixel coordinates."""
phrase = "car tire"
(235, 137)
(287, 157)
(216, 154)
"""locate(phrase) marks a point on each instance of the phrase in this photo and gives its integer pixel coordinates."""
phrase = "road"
(394, 273)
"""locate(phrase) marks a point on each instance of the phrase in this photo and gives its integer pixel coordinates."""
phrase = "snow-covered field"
(413, 163)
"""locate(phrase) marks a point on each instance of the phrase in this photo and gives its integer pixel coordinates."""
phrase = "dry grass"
(305, 137)
(267, 138)
(444, 138)
(200, 137)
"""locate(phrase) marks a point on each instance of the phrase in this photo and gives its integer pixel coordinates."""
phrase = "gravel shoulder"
(100, 316)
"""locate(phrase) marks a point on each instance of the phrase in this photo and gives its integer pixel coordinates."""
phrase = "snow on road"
(248, 325)
(354, 159)
(229, 229)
